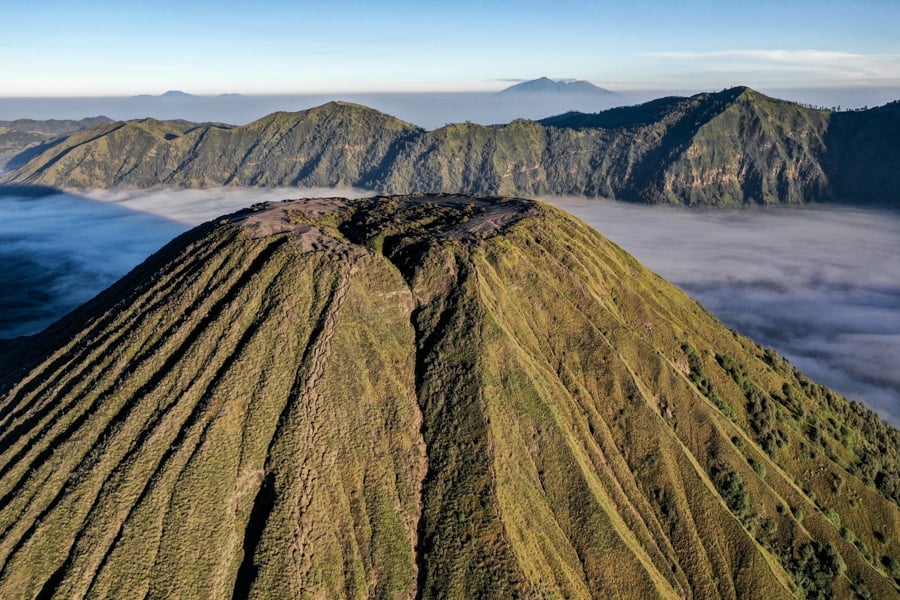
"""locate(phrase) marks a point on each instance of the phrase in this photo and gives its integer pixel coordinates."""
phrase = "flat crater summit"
(461, 215)
(426, 396)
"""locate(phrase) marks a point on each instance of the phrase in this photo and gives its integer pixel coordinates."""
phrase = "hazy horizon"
(429, 110)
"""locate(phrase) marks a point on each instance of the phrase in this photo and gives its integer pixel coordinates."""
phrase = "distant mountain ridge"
(181, 95)
(727, 148)
(545, 85)
(167, 94)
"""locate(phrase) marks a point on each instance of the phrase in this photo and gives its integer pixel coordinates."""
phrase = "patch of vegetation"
(699, 378)
(731, 486)
(814, 567)
(761, 412)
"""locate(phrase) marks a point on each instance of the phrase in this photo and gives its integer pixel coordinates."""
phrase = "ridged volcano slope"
(426, 397)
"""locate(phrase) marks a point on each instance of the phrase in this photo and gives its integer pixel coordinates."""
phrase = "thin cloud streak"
(812, 67)
(792, 56)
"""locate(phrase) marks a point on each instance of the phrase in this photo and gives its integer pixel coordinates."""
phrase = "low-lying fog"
(819, 284)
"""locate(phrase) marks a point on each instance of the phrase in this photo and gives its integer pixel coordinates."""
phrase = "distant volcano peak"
(545, 85)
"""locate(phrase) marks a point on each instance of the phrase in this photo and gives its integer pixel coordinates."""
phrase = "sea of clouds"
(819, 284)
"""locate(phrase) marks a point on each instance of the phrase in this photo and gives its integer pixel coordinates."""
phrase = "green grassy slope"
(438, 396)
(222, 403)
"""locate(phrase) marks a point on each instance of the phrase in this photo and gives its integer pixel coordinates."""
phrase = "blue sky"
(101, 47)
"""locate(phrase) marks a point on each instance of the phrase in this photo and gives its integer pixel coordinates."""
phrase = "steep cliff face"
(753, 149)
(730, 148)
(433, 396)
(861, 155)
